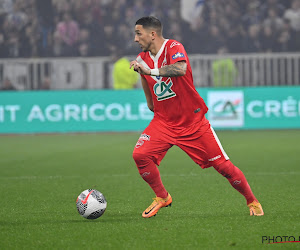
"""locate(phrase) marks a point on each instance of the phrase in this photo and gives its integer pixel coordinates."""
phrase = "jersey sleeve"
(139, 59)
(176, 52)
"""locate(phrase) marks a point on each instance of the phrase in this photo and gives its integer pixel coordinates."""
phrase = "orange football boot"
(255, 208)
(157, 204)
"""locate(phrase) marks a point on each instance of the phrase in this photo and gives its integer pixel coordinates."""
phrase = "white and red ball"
(91, 204)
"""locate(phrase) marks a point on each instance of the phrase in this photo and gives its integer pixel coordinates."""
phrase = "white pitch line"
(128, 175)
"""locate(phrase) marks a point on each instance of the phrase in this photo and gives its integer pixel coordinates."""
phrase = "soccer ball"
(91, 204)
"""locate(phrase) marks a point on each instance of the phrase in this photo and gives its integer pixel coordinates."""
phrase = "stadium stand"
(34, 28)
(41, 30)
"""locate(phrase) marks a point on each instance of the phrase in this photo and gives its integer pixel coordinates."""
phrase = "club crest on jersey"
(163, 90)
(145, 137)
(142, 139)
(177, 55)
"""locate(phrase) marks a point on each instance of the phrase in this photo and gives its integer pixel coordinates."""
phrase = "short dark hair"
(150, 22)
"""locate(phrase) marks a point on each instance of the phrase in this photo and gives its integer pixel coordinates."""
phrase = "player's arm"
(175, 69)
(147, 94)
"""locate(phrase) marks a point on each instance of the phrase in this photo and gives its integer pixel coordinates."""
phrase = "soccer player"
(179, 117)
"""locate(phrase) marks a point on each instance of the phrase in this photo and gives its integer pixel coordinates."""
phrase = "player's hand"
(139, 68)
(151, 107)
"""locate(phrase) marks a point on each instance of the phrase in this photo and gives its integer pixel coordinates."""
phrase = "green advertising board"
(110, 110)
(255, 108)
(73, 111)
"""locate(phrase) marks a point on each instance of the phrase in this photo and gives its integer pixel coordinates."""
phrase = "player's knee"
(141, 160)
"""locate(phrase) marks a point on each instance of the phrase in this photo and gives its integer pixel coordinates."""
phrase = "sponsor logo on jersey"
(163, 90)
(177, 55)
(173, 44)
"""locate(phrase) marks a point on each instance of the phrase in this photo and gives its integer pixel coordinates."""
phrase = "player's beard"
(146, 48)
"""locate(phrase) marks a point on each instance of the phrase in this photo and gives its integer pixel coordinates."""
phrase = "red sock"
(150, 173)
(237, 179)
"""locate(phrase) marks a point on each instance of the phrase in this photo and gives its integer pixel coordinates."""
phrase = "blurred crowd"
(67, 28)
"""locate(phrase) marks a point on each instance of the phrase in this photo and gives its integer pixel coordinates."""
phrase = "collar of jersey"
(156, 57)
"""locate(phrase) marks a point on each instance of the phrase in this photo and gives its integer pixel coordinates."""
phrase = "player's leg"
(206, 150)
(232, 173)
(150, 173)
(238, 181)
(148, 152)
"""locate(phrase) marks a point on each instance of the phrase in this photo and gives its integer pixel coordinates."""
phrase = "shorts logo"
(163, 90)
(142, 139)
(177, 55)
(215, 158)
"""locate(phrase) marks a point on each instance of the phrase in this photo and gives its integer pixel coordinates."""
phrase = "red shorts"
(201, 144)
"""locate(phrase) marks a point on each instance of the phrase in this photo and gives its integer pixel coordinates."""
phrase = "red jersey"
(176, 101)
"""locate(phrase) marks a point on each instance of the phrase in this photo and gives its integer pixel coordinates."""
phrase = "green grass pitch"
(41, 177)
